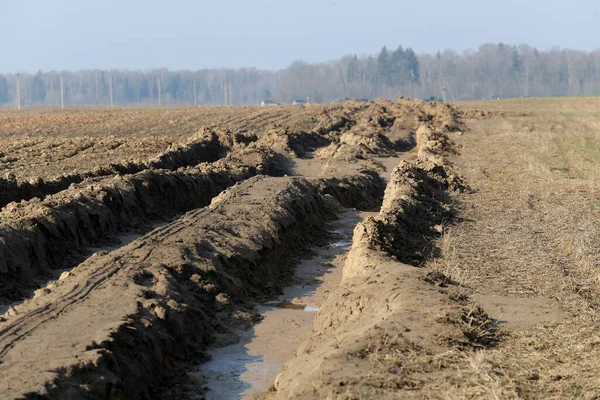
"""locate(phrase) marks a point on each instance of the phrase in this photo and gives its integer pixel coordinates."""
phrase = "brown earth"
(506, 303)
(129, 322)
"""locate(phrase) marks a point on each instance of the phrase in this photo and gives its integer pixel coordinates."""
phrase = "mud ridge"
(295, 144)
(204, 146)
(38, 237)
(156, 303)
(379, 334)
(416, 206)
(363, 191)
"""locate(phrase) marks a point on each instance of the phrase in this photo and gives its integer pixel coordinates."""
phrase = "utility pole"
(110, 89)
(96, 89)
(159, 91)
(18, 100)
(447, 87)
(230, 94)
(62, 91)
(224, 93)
(343, 81)
(195, 95)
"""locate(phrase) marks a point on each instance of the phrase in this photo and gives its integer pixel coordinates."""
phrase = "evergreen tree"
(3, 90)
(38, 88)
(399, 72)
(353, 70)
(516, 61)
(412, 63)
(384, 66)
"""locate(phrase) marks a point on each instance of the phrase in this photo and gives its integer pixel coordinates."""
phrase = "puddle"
(229, 364)
(341, 244)
(288, 305)
(249, 367)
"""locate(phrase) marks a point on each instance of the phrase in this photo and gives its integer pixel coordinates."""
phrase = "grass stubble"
(531, 229)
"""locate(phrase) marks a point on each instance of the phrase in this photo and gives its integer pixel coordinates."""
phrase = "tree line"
(492, 71)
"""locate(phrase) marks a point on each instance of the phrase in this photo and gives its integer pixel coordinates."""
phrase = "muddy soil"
(158, 315)
(249, 367)
(387, 312)
(41, 236)
(133, 321)
(47, 144)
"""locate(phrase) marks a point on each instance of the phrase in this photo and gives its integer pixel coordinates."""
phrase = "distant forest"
(493, 71)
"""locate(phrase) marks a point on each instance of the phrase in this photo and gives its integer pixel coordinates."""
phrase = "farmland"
(355, 251)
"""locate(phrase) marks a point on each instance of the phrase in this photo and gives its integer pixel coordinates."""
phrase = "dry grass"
(448, 263)
(532, 229)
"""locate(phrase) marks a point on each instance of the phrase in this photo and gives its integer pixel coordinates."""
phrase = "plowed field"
(349, 251)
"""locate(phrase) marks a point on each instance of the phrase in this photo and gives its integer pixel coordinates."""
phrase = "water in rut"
(250, 366)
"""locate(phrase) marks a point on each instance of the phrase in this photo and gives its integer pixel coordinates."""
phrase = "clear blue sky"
(270, 34)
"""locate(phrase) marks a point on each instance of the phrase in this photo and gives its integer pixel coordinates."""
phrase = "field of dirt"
(348, 251)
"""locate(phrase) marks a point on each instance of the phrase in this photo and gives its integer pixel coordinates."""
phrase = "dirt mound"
(382, 330)
(366, 137)
(384, 127)
(415, 206)
(204, 146)
(128, 317)
(380, 333)
(442, 116)
(362, 191)
(120, 323)
(40, 236)
(433, 144)
(294, 144)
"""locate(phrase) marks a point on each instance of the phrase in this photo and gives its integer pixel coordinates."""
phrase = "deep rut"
(125, 322)
(249, 367)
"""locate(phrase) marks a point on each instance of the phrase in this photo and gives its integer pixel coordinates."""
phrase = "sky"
(270, 34)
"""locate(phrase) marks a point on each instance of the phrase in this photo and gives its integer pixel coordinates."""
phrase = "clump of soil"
(416, 201)
(295, 144)
(379, 334)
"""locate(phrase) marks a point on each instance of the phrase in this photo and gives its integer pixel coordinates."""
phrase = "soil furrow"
(124, 323)
(168, 284)
(381, 343)
(202, 147)
(39, 237)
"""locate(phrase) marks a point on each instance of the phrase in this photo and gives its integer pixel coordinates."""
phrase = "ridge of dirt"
(416, 203)
(161, 299)
(386, 127)
(362, 191)
(204, 146)
(295, 144)
(381, 334)
(121, 323)
(38, 237)
(295, 131)
(365, 137)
